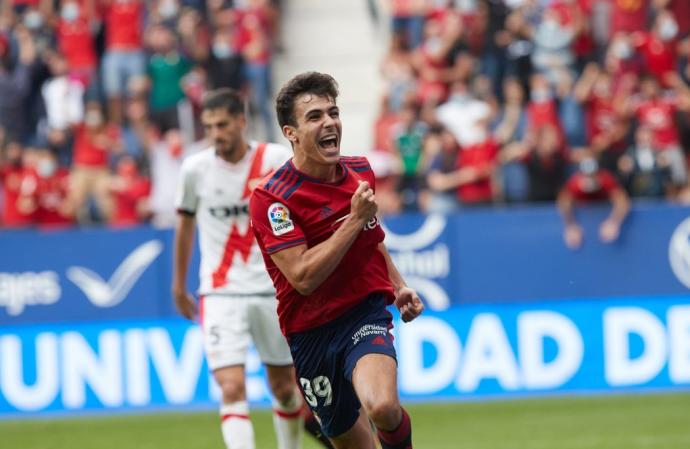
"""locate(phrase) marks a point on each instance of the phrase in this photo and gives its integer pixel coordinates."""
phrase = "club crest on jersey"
(279, 217)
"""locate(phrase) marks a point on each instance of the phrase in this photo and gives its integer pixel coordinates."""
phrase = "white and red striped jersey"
(217, 193)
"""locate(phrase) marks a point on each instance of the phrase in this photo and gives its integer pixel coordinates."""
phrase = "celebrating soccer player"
(315, 221)
(237, 297)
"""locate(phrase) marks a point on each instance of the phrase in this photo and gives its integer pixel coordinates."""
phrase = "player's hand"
(185, 304)
(408, 303)
(573, 236)
(609, 231)
(363, 204)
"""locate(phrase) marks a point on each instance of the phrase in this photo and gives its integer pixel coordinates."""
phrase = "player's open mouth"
(329, 142)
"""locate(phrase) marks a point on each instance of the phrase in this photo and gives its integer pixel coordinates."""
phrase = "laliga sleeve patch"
(279, 217)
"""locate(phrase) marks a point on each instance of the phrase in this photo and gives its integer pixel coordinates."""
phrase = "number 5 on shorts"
(320, 387)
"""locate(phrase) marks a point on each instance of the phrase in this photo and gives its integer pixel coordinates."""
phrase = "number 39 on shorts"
(320, 387)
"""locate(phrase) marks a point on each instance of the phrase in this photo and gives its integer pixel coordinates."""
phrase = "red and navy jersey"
(290, 208)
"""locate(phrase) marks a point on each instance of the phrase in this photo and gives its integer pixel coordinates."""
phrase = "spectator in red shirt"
(43, 192)
(681, 12)
(256, 50)
(629, 15)
(657, 111)
(591, 184)
(124, 56)
(94, 140)
(11, 172)
(76, 40)
(606, 129)
(542, 109)
(658, 47)
(130, 191)
(472, 175)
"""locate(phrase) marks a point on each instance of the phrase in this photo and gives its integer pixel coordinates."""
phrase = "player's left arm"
(406, 299)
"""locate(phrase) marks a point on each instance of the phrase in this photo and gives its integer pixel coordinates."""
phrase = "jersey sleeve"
(274, 225)
(187, 199)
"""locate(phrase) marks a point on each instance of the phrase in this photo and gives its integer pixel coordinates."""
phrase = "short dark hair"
(224, 98)
(319, 84)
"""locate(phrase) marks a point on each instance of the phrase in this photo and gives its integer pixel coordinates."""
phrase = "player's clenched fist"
(363, 204)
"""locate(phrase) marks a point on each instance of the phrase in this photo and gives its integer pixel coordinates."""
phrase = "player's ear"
(290, 133)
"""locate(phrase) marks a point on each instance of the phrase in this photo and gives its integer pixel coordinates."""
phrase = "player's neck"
(236, 154)
(323, 172)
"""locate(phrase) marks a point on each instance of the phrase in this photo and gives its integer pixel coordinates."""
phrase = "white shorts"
(229, 322)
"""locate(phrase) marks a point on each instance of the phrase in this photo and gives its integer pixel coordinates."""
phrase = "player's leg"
(358, 437)
(375, 381)
(319, 367)
(226, 339)
(313, 427)
(288, 418)
(371, 367)
(237, 429)
(274, 352)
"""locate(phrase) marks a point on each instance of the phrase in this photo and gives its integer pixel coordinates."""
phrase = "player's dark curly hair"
(319, 84)
(224, 98)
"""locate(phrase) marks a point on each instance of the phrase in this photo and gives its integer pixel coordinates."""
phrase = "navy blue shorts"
(325, 358)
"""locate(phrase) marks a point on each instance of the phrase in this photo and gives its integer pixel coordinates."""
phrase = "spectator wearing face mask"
(591, 184)
(94, 140)
(542, 109)
(167, 66)
(544, 162)
(225, 63)
(75, 33)
(657, 110)
(130, 192)
(43, 192)
(255, 46)
(621, 60)
(63, 98)
(472, 175)
(11, 173)
(124, 56)
(681, 12)
(643, 168)
(658, 47)
(605, 128)
(553, 41)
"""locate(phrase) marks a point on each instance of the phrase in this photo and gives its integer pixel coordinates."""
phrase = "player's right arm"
(184, 242)
(186, 204)
(307, 268)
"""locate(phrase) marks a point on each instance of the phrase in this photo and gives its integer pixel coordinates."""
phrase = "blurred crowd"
(99, 100)
(512, 101)
(486, 102)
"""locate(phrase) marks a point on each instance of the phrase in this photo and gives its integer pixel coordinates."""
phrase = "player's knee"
(385, 412)
(233, 391)
(284, 390)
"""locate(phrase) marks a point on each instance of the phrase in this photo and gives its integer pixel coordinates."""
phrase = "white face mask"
(33, 20)
(222, 50)
(622, 50)
(168, 9)
(70, 12)
(540, 95)
(93, 119)
(46, 168)
(668, 29)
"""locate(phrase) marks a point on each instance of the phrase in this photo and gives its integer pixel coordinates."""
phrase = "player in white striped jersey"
(237, 296)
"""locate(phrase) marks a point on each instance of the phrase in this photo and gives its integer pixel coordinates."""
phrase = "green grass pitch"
(605, 422)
